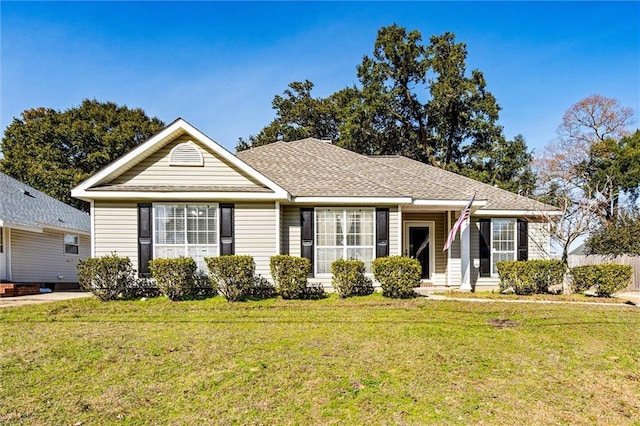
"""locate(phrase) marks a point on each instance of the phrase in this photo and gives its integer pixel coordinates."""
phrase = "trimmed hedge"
(290, 275)
(530, 276)
(397, 275)
(107, 277)
(175, 277)
(608, 278)
(348, 278)
(232, 275)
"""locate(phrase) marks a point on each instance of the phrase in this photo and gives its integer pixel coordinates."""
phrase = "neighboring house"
(180, 193)
(41, 238)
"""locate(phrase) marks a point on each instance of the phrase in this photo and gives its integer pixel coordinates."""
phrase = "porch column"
(465, 256)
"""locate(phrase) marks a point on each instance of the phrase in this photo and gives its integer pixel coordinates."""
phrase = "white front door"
(3, 254)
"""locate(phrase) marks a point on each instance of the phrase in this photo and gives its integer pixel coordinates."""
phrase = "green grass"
(574, 297)
(332, 361)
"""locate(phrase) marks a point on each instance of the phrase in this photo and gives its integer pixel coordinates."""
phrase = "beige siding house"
(182, 194)
(41, 238)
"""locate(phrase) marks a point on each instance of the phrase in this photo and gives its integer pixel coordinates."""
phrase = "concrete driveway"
(7, 302)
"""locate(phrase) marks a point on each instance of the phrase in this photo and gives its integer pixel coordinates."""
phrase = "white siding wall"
(40, 258)
(538, 240)
(290, 230)
(155, 170)
(394, 237)
(255, 233)
(116, 229)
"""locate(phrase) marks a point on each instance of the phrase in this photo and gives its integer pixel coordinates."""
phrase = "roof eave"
(180, 195)
(510, 213)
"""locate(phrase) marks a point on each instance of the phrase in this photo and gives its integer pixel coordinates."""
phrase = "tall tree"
(54, 150)
(413, 99)
(580, 171)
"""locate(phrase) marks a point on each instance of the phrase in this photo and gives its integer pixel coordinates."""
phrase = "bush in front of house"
(530, 276)
(261, 288)
(608, 278)
(348, 278)
(175, 277)
(232, 275)
(290, 275)
(107, 277)
(397, 275)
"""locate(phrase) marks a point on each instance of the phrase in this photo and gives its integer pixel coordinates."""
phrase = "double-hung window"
(344, 234)
(71, 244)
(189, 230)
(503, 242)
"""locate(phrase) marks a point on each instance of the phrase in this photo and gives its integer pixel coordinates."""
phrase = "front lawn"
(354, 361)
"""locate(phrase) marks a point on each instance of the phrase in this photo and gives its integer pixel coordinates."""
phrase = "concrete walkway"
(626, 299)
(7, 302)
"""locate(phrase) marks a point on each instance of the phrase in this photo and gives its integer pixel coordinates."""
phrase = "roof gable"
(24, 207)
(148, 166)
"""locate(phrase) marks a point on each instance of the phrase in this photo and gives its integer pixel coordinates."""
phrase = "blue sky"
(218, 65)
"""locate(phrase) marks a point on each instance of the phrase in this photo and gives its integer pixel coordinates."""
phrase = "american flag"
(464, 215)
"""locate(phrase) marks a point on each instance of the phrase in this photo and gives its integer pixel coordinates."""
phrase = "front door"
(420, 247)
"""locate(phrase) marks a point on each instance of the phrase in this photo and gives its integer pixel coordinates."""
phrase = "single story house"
(41, 239)
(181, 194)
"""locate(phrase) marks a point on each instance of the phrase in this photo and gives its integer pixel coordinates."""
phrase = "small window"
(186, 154)
(71, 244)
(503, 242)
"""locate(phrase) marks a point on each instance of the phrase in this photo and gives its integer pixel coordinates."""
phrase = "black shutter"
(306, 235)
(485, 247)
(145, 239)
(382, 232)
(226, 229)
(523, 239)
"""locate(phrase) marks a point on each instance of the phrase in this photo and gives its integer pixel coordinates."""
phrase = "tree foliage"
(53, 151)
(413, 99)
(588, 169)
(621, 236)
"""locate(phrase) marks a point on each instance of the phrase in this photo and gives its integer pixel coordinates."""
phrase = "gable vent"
(186, 154)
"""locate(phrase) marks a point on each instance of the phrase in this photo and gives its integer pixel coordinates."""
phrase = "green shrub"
(397, 275)
(608, 278)
(232, 275)
(107, 277)
(348, 278)
(261, 288)
(531, 276)
(313, 291)
(176, 277)
(143, 287)
(290, 275)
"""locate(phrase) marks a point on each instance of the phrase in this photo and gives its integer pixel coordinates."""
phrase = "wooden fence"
(634, 261)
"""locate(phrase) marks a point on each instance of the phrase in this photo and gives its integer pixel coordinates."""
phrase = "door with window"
(418, 238)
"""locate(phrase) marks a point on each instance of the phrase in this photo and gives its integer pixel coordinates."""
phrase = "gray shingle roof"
(311, 167)
(23, 205)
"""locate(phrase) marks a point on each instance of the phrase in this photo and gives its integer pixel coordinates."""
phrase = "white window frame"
(514, 222)
(186, 244)
(344, 245)
(76, 244)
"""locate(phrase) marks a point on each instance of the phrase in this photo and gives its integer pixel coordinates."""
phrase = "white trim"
(92, 217)
(432, 238)
(185, 196)
(167, 134)
(512, 213)
(352, 200)
(63, 229)
(400, 230)
(11, 225)
(277, 207)
(449, 203)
